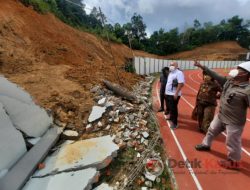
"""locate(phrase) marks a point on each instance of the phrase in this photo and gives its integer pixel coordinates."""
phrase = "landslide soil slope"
(56, 63)
(226, 50)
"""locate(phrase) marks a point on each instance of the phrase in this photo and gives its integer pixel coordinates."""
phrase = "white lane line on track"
(199, 76)
(196, 91)
(243, 149)
(189, 167)
(190, 76)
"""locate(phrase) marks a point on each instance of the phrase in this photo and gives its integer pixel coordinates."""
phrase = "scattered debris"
(103, 186)
(145, 134)
(102, 102)
(70, 135)
(132, 131)
(96, 113)
(89, 127)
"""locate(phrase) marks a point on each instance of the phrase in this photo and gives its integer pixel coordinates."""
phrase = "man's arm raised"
(219, 78)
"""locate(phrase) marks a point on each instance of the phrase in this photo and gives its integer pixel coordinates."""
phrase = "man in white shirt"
(173, 92)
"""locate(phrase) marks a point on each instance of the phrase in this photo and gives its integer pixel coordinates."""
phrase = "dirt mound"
(228, 50)
(57, 64)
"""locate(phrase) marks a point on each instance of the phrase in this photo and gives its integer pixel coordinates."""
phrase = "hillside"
(228, 50)
(53, 61)
(58, 64)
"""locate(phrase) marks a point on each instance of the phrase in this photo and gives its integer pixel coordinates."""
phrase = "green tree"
(197, 24)
(138, 27)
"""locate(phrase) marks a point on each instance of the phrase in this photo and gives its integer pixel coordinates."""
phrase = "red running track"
(201, 170)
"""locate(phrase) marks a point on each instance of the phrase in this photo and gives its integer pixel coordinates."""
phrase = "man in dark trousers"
(174, 85)
(206, 102)
(163, 81)
(234, 101)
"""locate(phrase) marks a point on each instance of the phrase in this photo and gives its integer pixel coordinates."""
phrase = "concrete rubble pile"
(126, 122)
(113, 124)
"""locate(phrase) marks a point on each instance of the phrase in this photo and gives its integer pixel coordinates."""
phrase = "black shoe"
(201, 130)
(173, 126)
(161, 110)
(166, 112)
(202, 147)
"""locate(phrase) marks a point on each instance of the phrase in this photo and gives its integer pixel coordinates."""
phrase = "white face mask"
(171, 68)
(233, 73)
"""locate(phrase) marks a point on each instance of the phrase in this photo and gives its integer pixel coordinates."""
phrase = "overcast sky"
(169, 14)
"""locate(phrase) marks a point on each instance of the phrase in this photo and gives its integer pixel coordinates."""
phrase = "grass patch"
(120, 164)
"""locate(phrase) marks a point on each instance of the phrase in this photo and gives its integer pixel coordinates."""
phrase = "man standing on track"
(206, 102)
(173, 92)
(163, 81)
(235, 99)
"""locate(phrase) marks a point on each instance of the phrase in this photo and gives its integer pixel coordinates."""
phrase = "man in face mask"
(235, 99)
(173, 92)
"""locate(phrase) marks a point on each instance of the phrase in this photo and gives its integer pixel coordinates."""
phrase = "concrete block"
(95, 152)
(78, 180)
(12, 145)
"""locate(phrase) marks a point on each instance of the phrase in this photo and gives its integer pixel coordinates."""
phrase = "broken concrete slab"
(99, 124)
(109, 105)
(70, 135)
(89, 127)
(108, 128)
(102, 101)
(149, 176)
(27, 164)
(96, 113)
(28, 118)
(3, 173)
(11, 140)
(103, 186)
(77, 180)
(95, 152)
(145, 134)
(11, 90)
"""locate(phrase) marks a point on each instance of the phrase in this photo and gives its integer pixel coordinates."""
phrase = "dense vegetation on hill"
(133, 33)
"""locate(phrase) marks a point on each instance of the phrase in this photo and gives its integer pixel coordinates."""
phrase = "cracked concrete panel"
(103, 186)
(11, 90)
(3, 173)
(30, 119)
(78, 180)
(12, 145)
(96, 152)
(96, 113)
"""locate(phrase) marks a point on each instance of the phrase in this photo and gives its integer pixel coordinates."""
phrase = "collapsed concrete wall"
(18, 115)
(11, 141)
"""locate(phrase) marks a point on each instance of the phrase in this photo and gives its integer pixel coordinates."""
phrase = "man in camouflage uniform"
(206, 102)
(234, 101)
